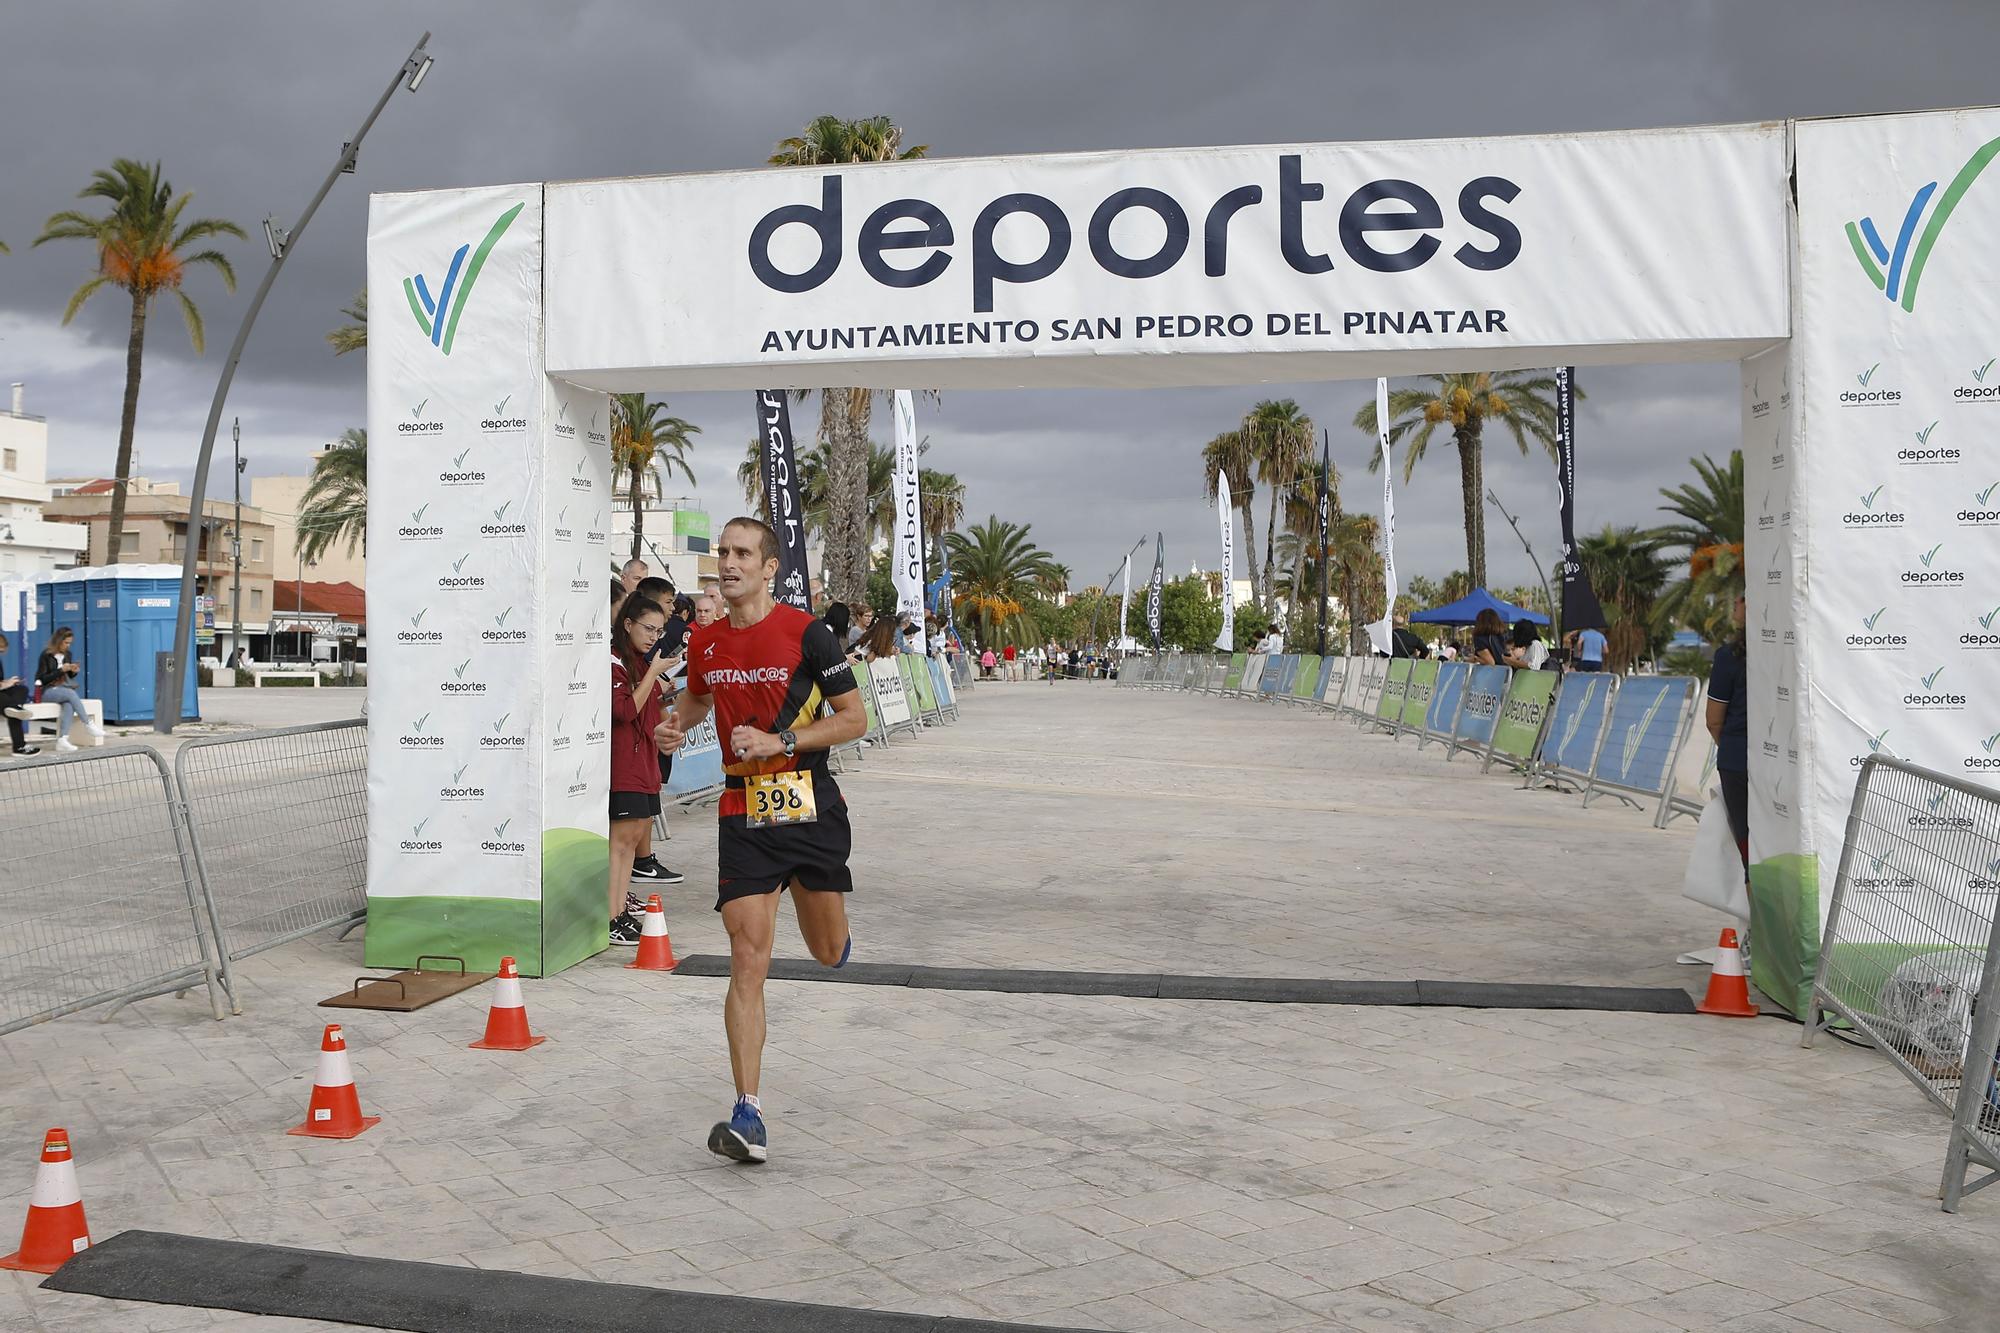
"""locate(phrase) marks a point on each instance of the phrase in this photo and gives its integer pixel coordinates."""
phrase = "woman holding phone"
(56, 673)
(637, 685)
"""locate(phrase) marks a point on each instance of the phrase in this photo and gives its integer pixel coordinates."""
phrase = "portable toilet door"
(146, 622)
(66, 610)
(15, 599)
(100, 665)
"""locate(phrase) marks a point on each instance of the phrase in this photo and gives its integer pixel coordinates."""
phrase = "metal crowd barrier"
(100, 901)
(1911, 951)
(278, 824)
(1648, 724)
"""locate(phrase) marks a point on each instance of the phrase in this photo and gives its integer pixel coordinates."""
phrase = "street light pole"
(1555, 611)
(410, 74)
(236, 549)
(1119, 631)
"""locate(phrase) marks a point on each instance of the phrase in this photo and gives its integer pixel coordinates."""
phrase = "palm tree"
(1280, 437)
(996, 571)
(941, 495)
(353, 335)
(1229, 455)
(1628, 573)
(1055, 578)
(1302, 520)
(1522, 400)
(1712, 511)
(812, 472)
(335, 504)
(143, 247)
(1351, 542)
(648, 446)
(844, 414)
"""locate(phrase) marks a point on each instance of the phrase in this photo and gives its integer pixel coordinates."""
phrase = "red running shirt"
(772, 676)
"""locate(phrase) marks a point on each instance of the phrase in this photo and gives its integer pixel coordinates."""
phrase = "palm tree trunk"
(135, 348)
(1249, 541)
(847, 518)
(1292, 604)
(1470, 484)
(638, 512)
(1271, 552)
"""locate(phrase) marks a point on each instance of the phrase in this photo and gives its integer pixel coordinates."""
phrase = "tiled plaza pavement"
(1114, 1163)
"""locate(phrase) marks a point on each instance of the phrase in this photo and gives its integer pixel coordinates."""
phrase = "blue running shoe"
(741, 1137)
(845, 950)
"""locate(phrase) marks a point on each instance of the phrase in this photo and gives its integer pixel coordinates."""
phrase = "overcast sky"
(246, 106)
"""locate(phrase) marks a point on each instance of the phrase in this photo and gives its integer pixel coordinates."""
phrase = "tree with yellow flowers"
(1521, 400)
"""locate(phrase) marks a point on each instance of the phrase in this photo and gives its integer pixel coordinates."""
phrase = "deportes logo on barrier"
(438, 323)
(1896, 270)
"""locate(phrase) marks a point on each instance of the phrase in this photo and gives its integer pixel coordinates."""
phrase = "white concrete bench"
(42, 719)
(257, 678)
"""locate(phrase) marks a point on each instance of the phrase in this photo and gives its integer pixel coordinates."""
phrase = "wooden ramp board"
(409, 990)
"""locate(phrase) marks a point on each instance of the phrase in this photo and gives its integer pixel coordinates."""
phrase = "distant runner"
(765, 669)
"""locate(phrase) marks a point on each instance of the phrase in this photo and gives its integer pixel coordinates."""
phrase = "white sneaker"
(19, 714)
(64, 744)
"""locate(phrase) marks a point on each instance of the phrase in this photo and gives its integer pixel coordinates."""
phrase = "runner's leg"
(822, 922)
(751, 922)
(625, 835)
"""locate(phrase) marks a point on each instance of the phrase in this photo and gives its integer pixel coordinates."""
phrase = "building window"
(256, 599)
(256, 548)
(10, 460)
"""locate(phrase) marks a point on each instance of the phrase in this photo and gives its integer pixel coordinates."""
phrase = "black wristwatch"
(791, 742)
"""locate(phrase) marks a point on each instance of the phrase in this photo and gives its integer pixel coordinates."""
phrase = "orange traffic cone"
(56, 1229)
(335, 1109)
(656, 951)
(507, 1020)
(1728, 991)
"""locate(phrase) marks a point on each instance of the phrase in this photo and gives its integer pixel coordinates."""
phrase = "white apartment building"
(28, 541)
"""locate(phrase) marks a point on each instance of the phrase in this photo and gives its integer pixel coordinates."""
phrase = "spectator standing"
(1011, 657)
(646, 867)
(637, 674)
(986, 661)
(1403, 641)
(1728, 720)
(1588, 649)
(630, 576)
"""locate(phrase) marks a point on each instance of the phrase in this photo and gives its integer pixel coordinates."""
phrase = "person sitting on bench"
(13, 695)
(56, 674)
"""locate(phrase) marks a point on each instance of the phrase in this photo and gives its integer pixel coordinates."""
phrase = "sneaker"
(845, 950)
(27, 751)
(64, 744)
(625, 931)
(648, 870)
(19, 714)
(741, 1137)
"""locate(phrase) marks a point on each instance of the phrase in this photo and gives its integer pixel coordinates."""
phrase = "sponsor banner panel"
(698, 763)
(1900, 403)
(1079, 269)
(1519, 724)
(1485, 687)
(1645, 731)
(890, 696)
(1582, 700)
(1417, 699)
(1445, 699)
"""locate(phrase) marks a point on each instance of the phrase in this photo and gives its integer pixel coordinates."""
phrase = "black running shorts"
(634, 804)
(749, 862)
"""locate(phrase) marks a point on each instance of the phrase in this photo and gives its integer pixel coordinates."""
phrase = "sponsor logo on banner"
(1877, 744)
(579, 786)
(1882, 876)
(595, 632)
(459, 473)
(1760, 406)
(591, 434)
(1986, 634)
(504, 629)
(1932, 570)
(563, 428)
(501, 527)
(502, 422)
(577, 582)
(1984, 511)
(437, 316)
(581, 479)
(1925, 452)
(416, 633)
(559, 734)
(499, 738)
(419, 528)
(456, 686)
(1875, 636)
(594, 534)
(1870, 389)
(417, 843)
(418, 424)
(458, 789)
(418, 736)
(1932, 816)
(562, 634)
(577, 684)
(1929, 695)
(561, 530)
(1988, 883)
(1873, 512)
(1984, 388)
(1987, 758)
(459, 580)
(596, 734)
(1896, 270)
(497, 843)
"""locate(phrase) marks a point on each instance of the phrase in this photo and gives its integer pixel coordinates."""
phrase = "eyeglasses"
(650, 631)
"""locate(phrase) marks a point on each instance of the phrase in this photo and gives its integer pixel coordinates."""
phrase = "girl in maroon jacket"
(637, 675)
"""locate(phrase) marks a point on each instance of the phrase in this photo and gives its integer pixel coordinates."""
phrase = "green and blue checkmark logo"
(1869, 621)
(1979, 375)
(1868, 374)
(438, 315)
(1924, 435)
(1896, 270)
(1868, 500)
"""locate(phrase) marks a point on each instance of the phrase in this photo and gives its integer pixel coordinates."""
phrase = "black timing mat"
(443, 1298)
(1266, 990)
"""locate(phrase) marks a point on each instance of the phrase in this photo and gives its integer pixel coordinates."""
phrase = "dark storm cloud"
(246, 105)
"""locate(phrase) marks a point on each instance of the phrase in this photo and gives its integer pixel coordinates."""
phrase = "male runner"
(765, 669)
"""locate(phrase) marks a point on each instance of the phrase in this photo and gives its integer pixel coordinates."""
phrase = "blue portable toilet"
(68, 596)
(15, 599)
(100, 631)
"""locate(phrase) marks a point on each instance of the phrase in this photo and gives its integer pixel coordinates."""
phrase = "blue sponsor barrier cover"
(1638, 750)
(1581, 703)
(1484, 690)
(698, 763)
(1450, 688)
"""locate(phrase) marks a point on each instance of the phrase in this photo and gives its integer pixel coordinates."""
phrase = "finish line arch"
(1834, 259)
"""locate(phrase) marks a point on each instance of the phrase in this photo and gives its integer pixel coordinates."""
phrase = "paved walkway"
(1095, 1162)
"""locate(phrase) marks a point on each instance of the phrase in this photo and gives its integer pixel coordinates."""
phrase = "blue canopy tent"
(1467, 608)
